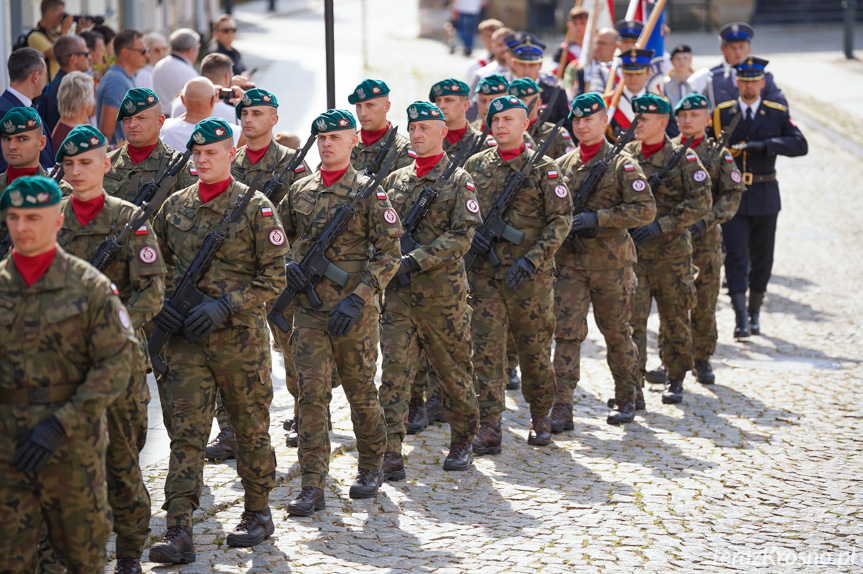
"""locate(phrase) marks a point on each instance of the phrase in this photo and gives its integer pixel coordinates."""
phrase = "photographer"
(53, 24)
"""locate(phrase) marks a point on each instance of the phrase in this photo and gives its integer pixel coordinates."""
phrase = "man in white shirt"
(172, 73)
(199, 97)
(157, 50)
(216, 68)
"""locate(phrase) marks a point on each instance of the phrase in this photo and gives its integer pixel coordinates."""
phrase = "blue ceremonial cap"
(752, 68)
(736, 32)
(629, 28)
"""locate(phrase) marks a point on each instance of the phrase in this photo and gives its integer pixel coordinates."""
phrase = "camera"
(226, 94)
(78, 17)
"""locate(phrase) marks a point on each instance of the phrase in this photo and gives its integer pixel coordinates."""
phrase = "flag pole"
(642, 41)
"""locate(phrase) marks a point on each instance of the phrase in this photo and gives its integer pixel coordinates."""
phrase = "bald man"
(199, 98)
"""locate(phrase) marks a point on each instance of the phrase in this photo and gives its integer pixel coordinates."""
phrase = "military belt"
(355, 266)
(750, 178)
(38, 395)
(610, 233)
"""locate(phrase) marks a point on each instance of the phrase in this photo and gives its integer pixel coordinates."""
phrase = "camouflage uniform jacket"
(453, 149)
(65, 188)
(248, 270)
(444, 234)
(542, 209)
(681, 201)
(67, 330)
(726, 188)
(274, 159)
(622, 200)
(368, 248)
(362, 156)
(137, 271)
(560, 146)
(126, 177)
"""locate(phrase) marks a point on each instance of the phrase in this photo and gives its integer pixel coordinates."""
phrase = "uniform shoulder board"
(775, 106)
(727, 104)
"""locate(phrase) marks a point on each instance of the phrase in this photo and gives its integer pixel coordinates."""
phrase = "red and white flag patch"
(193, 171)
(412, 153)
(470, 186)
(300, 169)
(552, 174)
(691, 157)
(114, 289)
(382, 195)
(267, 211)
(141, 230)
(628, 167)
(728, 158)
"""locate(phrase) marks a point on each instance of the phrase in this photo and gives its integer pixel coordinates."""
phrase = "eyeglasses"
(142, 51)
(87, 53)
(228, 30)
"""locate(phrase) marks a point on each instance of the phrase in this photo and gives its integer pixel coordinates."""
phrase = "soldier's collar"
(55, 278)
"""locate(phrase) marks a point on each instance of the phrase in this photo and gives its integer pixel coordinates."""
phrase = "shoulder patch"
(552, 174)
(141, 230)
(472, 205)
(193, 171)
(381, 195)
(564, 134)
(390, 216)
(267, 211)
(277, 237)
(699, 175)
(727, 104)
(300, 169)
(628, 167)
(148, 254)
(774, 105)
(412, 153)
(124, 318)
(114, 289)
(691, 156)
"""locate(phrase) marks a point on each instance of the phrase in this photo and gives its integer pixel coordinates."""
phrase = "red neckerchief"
(650, 150)
(589, 151)
(331, 177)
(369, 138)
(532, 123)
(426, 164)
(32, 268)
(139, 154)
(210, 191)
(255, 155)
(454, 135)
(695, 142)
(86, 211)
(13, 173)
(508, 155)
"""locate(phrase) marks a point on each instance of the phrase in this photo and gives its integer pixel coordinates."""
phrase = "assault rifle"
(655, 180)
(276, 182)
(722, 141)
(383, 149)
(165, 180)
(546, 111)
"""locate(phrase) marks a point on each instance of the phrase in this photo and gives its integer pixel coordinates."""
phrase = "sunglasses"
(87, 53)
(228, 30)
(142, 51)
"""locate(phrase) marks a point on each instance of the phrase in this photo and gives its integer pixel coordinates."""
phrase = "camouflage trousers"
(671, 283)
(611, 292)
(71, 497)
(236, 361)
(529, 311)
(317, 355)
(414, 329)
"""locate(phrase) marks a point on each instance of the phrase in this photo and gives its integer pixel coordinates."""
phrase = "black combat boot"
(460, 456)
(658, 376)
(741, 326)
(176, 547)
(755, 300)
(622, 412)
(255, 526)
(640, 405)
(417, 418)
(224, 446)
(513, 382)
(673, 392)
(488, 439)
(704, 372)
(128, 566)
(561, 418)
(540, 431)
(393, 467)
(366, 484)
(434, 409)
(309, 500)
(293, 438)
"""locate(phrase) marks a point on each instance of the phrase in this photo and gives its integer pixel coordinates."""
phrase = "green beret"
(651, 104)
(448, 87)
(523, 88)
(692, 101)
(333, 121)
(210, 130)
(136, 100)
(587, 104)
(19, 120)
(503, 103)
(256, 97)
(81, 139)
(420, 111)
(31, 191)
(368, 90)
(495, 84)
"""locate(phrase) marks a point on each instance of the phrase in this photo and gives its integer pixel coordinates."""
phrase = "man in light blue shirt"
(130, 56)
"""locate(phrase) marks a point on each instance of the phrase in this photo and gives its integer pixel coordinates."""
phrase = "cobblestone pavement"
(761, 472)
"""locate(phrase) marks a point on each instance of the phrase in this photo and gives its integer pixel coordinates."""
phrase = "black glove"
(519, 273)
(750, 146)
(39, 444)
(696, 229)
(407, 265)
(297, 280)
(345, 314)
(585, 220)
(480, 245)
(206, 317)
(168, 319)
(645, 232)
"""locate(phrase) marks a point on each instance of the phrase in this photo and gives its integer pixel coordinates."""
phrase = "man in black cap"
(765, 131)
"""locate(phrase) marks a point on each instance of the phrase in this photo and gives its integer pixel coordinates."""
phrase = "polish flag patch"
(470, 186)
(382, 195)
(300, 169)
(628, 167)
(552, 174)
(193, 171)
(114, 289)
(691, 157)
(728, 158)
(141, 230)
(564, 134)
(267, 211)
(412, 153)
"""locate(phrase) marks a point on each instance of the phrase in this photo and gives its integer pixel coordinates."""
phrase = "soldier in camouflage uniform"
(528, 91)
(452, 97)
(596, 265)
(664, 269)
(693, 118)
(341, 334)
(224, 343)
(430, 314)
(257, 111)
(21, 144)
(144, 156)
(66, 346)
(138, 273)
(372, 102)
(519, 290)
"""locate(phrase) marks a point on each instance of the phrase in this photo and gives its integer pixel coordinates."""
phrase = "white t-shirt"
(176, 133)
(169, 78)
(467, 6)
(222, 110)
(144, 77)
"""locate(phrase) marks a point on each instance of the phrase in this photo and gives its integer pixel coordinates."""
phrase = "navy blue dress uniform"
(632, 61)
(765, 131)
(722, 85)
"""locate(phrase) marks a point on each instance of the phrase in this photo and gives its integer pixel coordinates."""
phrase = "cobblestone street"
(761, 472)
